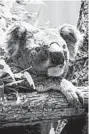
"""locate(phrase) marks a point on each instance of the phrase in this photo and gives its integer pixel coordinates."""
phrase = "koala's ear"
(15, 39)
(72, 38)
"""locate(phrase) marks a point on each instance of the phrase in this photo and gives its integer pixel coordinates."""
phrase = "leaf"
(52, 130)
(6, 69)
(18, 101)
(37, 2)
(18, 75)
(29, 79)
(25, 2)
(15, 82)
(18, 98)
(61, 125)
(1, 90)
(37, 19)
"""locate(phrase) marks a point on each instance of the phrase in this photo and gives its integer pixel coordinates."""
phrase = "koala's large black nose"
(56, 58)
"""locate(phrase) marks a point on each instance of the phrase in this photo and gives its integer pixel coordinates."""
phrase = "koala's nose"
(56, 54)
(56, 58)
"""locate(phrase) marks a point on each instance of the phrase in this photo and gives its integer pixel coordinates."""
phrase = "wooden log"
(32, 108)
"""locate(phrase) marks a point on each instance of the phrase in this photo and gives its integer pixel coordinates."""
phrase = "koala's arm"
(73, 39)
(73, 95)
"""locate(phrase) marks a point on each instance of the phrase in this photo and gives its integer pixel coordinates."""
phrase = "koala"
(47, 52)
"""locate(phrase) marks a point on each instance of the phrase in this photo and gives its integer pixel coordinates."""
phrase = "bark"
(33, 108)
(83, 24)
(78, 71)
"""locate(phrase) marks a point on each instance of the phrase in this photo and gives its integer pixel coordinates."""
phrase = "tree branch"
(36, 107)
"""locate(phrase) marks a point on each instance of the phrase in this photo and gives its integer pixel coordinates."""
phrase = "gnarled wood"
(37, 107)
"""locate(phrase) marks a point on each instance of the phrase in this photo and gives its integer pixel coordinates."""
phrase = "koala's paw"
(72, 94)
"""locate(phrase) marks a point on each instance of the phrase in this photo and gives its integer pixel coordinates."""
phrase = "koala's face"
(47, 51)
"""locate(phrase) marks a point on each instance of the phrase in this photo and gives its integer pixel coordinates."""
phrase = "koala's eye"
(44, 46)
(18, 1)
(37, 49)
(64, 46)
(1, 67)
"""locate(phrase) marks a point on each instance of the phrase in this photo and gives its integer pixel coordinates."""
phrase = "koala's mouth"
(56, 62)
(57, 65)
(56, 71)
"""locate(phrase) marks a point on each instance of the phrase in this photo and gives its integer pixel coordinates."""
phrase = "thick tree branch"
(36, 107)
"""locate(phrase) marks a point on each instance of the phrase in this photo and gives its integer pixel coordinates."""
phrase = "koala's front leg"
(72, 94)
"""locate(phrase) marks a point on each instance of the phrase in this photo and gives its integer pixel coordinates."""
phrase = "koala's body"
(47, 52)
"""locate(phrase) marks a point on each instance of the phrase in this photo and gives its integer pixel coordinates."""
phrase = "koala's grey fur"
(48, 52)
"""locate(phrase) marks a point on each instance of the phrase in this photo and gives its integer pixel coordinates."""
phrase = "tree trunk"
(83, 24)
(78, 71)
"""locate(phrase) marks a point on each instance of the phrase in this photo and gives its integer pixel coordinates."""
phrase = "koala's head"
(47, 51)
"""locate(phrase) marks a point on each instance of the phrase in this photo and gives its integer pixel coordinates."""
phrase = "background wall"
(57, 12)
(60, 12)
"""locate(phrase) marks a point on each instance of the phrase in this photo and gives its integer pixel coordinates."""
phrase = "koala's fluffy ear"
(15, 39)
(72, 37)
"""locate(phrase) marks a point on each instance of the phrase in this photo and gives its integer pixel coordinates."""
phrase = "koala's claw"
(80, 96)
(74, 97)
